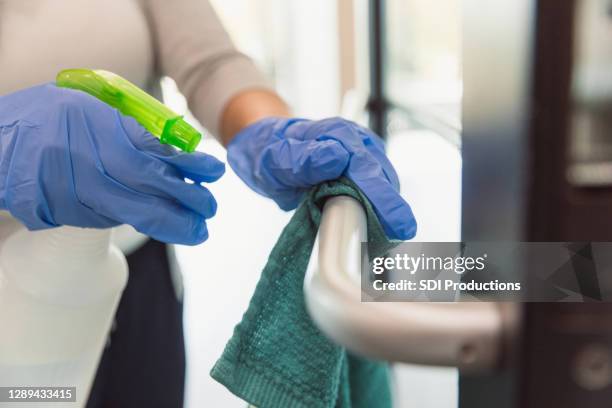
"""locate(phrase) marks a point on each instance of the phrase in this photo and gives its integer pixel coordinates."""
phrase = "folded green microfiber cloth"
(276, 356)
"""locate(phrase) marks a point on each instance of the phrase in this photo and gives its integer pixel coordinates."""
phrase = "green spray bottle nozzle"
(130, 100)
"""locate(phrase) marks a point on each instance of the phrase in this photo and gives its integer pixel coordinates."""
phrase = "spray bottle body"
(59, 290)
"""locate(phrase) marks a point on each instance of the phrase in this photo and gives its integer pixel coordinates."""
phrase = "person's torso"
(38, 38)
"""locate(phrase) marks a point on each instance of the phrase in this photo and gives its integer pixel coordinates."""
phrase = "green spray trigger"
(132, 101)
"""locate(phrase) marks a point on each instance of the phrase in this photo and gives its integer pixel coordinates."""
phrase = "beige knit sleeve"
(192, 47)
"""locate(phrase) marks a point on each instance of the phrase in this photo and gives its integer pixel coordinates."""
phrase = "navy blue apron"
(144, 363)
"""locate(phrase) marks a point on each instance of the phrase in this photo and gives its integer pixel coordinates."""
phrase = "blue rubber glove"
(67, 158)
(282, 158)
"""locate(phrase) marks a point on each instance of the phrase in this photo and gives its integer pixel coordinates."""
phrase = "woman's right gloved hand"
(67, 158)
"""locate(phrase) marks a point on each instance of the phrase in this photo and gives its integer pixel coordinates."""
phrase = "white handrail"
(467, 335)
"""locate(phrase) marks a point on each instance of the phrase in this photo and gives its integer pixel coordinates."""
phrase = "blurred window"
(423, 49)
(290, 40)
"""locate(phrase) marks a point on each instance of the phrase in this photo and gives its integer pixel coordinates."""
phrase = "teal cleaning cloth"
(276, 356)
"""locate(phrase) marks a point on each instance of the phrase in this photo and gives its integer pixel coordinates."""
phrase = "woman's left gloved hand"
(282, 158)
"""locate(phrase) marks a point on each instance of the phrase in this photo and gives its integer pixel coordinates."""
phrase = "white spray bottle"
(59, 290)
